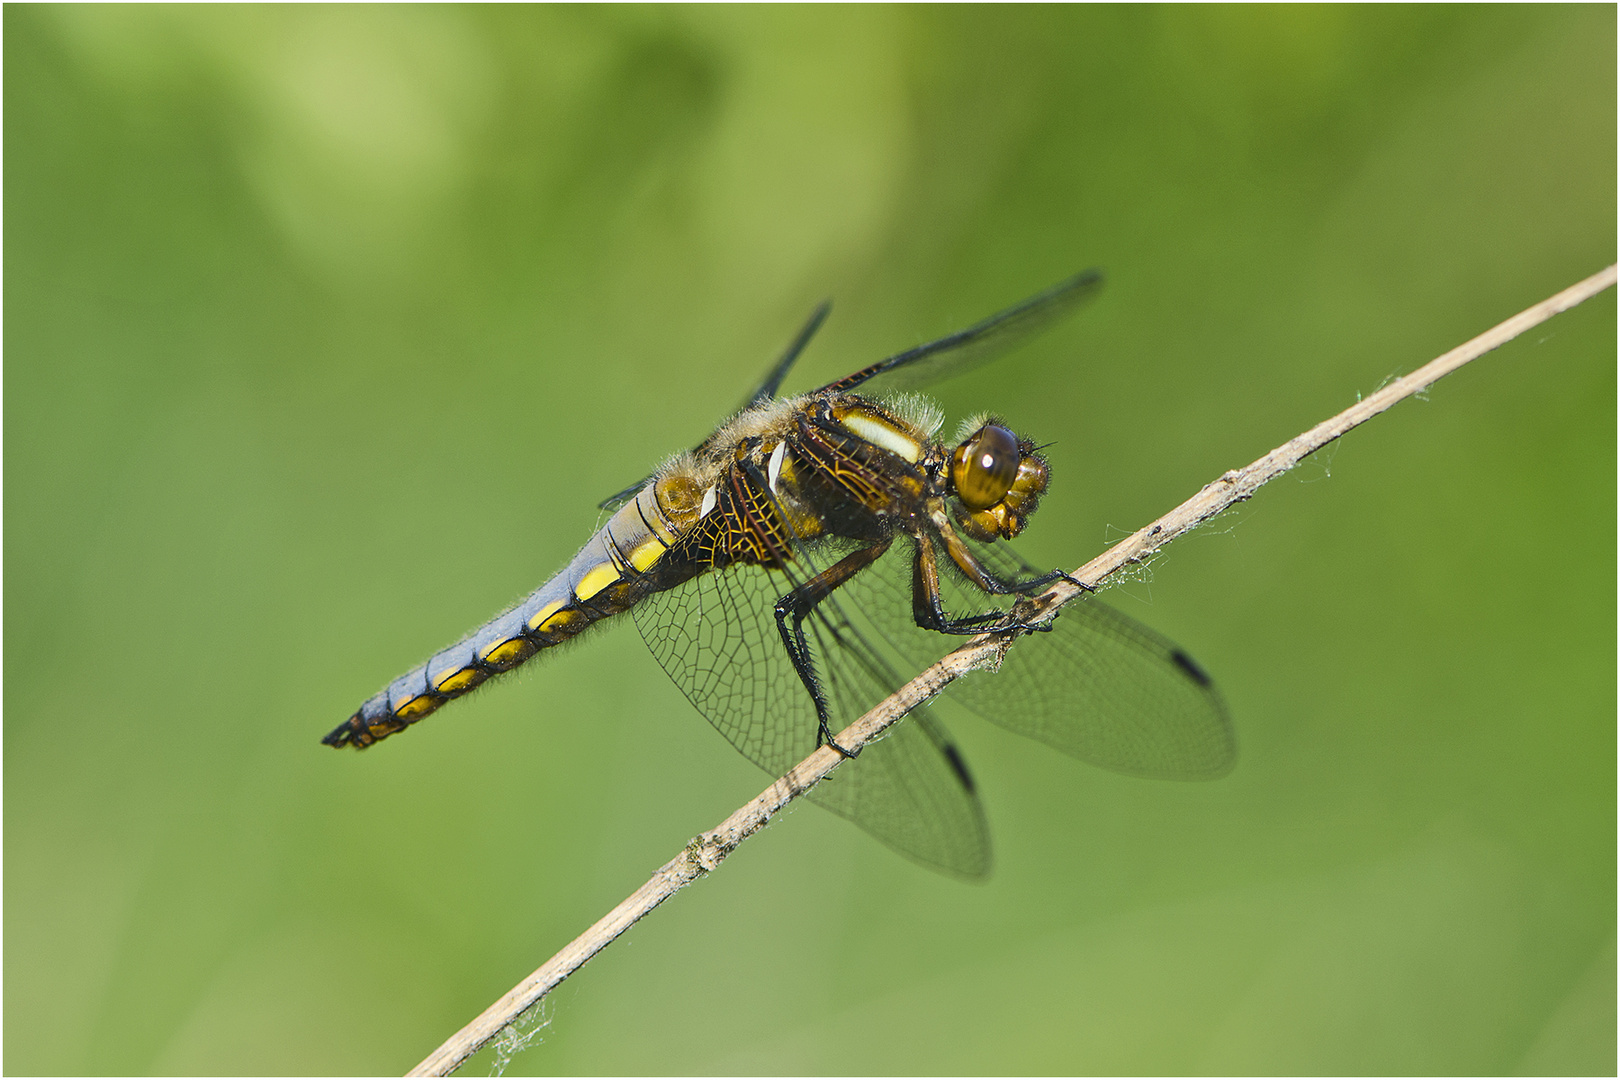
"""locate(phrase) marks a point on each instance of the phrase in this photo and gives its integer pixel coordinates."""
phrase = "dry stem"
(706, 852)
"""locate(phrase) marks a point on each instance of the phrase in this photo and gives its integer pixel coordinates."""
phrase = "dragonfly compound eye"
(984, 467)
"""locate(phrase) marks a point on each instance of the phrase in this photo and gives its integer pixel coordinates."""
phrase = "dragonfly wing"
(763, 393)
(1098, 685)
(619, 498)
(950, 355)
(979, 343)
(1104, 688)
(716, 636)
(773, 378)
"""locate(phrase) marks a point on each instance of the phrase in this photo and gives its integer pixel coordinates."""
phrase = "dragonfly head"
(998, 478)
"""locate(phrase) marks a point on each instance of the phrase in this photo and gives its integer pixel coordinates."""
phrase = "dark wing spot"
(1190, 666)
(960, 766)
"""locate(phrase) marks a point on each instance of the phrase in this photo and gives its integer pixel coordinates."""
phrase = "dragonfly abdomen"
(604, 579)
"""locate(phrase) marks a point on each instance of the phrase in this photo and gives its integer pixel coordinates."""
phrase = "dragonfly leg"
(796, 606)
(983, 577)
(928, 607)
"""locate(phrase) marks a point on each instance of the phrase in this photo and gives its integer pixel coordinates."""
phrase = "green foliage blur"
(327, 327)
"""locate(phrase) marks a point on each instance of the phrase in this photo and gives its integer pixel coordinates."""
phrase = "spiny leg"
(981, 575)
(796, 606)
(928, 608)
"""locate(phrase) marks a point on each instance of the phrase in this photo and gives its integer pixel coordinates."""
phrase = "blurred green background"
(327, 328)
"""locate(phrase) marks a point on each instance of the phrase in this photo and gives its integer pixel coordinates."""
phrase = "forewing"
(717, 638)
(1098, 685)
(764, 392)
(619, 498)
(773, 378)
(978, 344)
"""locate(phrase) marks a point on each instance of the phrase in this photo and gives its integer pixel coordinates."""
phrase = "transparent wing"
(717, 638)
(764, 392)
(1098, 686)
(773, 378)
(950, 355)
(619, 498)
(979, 343)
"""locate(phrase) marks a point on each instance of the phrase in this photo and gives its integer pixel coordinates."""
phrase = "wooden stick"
(707, 851)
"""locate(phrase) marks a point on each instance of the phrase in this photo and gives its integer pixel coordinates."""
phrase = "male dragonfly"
(791, 565)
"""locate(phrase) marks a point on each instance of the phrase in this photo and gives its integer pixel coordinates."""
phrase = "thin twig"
(706, 852)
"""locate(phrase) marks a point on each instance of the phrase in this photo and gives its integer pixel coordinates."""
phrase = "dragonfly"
(789, 567)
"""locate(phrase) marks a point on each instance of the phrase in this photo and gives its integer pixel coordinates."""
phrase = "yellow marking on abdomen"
(416, 708)
(595, 580)
(647, 552)
(563, 620)
(506, 653)
(455, 680)
(543, 614)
